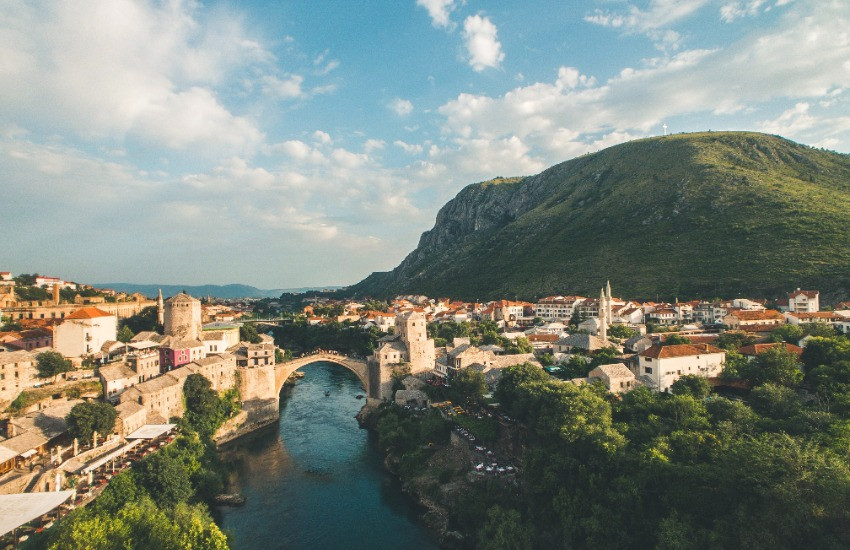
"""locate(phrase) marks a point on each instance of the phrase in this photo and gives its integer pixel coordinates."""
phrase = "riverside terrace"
(94, 477)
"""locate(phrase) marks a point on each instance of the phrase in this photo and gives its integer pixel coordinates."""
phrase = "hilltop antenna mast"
(665, 129)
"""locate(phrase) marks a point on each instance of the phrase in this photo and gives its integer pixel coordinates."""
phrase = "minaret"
(608, 303)
(160, 309)
(603, 316)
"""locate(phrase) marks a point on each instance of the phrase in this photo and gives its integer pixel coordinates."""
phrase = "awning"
(18, 509)
(151, 431)
(28, 453)
(120, 451)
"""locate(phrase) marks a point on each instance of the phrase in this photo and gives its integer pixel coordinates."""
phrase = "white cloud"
(411, 149)
(286, 88)
(438, 10)
(574, 113)
(322, 138)
(731, 11)
(373, 145)
(401, 107)
(652, 22)
(109, 69)
(482, 45)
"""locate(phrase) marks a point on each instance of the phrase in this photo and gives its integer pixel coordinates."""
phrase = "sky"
(300, 143)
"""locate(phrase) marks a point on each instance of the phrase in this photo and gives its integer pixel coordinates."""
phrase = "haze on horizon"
(288, 144)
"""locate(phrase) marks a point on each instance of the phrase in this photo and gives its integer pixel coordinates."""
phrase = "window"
(647, 370)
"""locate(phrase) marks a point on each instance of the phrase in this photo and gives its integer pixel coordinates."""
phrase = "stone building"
(182, 317)
(219, 369)
(131, 417)
(253, 355)
(408, 351)
(616, 377)
(162, 397)
(17, 373)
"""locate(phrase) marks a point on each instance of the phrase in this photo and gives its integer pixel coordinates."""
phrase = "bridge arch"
(358, 366)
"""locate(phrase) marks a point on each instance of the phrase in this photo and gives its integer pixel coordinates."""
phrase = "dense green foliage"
(158, 504)
(205, 410)
(86, 418)
(467, 385)
(697, 215)
(680, 470)
(299, 337)
(145, 320)
(50, 364)
(689, 469)
(125, 334)
(248, 333)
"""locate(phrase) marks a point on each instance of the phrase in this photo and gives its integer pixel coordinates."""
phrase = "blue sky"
(286, 144)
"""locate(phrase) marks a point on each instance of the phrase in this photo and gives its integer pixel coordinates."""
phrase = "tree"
(167, 480)
(125, 334)
(87, 418)
(248, 333)
(693, 385)
(622, 331)
(675, 339)
(606, 356)
(825, 351)
(775, 401)
(777, 365)
(468, 384)
(51, 364)
(824, 330)
(504, 530)
(787, 333)
(733, 340)
(145, 320)
(515, 376)
(732, 366)
(203, 405)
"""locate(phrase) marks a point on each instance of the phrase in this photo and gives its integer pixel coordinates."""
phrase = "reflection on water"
(314, 480)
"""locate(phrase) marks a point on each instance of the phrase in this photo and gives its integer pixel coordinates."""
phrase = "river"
(315, 480)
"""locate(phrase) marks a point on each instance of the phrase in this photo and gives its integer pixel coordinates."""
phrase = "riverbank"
(436, 467)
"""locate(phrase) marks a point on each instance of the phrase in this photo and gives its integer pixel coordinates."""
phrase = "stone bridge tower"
(182, 317)
(410, 347)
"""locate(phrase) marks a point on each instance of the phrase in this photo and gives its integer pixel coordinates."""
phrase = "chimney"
(56, 293)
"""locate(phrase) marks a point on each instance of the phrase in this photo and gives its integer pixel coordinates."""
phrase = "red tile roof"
(679, 350)
(88, 313)
(751, 315)
(755, 349)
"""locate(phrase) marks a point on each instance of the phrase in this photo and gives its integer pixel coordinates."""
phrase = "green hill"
(689, 215)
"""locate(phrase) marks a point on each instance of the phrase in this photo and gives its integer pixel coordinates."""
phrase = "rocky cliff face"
(689, 215)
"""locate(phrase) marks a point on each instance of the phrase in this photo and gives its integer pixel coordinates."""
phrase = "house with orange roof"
(84, 332)
(659, 366)
(741, 319)
(799, 318)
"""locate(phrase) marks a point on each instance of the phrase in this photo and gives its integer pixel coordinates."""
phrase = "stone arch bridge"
(360, 367)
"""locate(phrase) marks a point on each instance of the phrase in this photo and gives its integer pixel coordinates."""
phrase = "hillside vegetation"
(689, 215)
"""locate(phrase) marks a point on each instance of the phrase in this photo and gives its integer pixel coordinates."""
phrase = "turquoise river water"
(315, 480)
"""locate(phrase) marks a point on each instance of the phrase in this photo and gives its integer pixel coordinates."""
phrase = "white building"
(803, 301)
(660, 366)
(557, 307)
(84, 332)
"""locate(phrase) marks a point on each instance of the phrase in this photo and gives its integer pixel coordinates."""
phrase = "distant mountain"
(688, 215)
(216, 291)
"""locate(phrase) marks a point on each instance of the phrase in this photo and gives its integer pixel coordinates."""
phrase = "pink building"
(176, 353)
